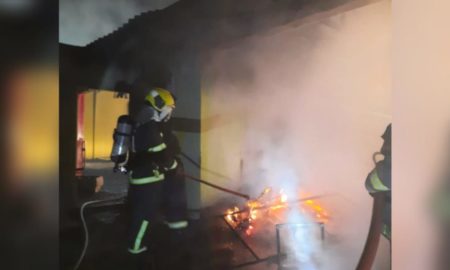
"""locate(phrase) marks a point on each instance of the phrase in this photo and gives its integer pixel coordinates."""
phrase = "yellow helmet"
(159, 97)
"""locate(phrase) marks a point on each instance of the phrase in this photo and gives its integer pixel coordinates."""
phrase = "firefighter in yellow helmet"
(163, 103)
(154, 171)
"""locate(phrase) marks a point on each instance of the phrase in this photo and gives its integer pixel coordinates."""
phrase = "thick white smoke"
(421, 96)
(304, 108)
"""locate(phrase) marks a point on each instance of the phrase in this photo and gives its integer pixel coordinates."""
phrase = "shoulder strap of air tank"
(134, 126)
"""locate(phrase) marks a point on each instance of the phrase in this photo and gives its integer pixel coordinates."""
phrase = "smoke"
(421, 141)
(303, 109)
(83, 21)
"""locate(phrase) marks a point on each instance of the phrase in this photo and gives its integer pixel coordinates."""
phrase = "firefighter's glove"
(119, 168)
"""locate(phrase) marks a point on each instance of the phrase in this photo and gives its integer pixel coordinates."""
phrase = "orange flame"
(267, 202)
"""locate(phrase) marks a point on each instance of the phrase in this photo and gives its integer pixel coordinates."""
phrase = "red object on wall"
(81, 150)
(80, 116)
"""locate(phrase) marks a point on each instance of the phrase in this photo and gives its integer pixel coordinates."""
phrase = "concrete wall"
(186, 87)
(107, 110)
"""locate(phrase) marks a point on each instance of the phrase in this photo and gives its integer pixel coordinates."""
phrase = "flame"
(316, 211)
(266, 203)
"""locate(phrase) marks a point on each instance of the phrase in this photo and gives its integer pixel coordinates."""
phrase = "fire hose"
(86, 233)
(229, 191)
(85, 228)
(196, 164)
(245, 196)
(373, 238)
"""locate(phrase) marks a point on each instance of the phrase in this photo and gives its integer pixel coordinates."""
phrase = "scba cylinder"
(122, 139)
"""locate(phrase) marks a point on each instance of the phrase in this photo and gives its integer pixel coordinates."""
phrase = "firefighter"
(175, 206)
(379, 180)
(174, 195)
(152, 163)
(175, 203)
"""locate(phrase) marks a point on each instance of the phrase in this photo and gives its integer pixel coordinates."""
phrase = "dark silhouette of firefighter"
(379, 180)
(147, 150)
(378, 184)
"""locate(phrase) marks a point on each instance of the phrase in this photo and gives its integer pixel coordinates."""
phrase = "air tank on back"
(122, 140)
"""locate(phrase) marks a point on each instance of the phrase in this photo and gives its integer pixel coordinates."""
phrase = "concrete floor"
(115, 183)
(209, 242)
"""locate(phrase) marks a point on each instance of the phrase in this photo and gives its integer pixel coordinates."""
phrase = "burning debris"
(268, 204)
